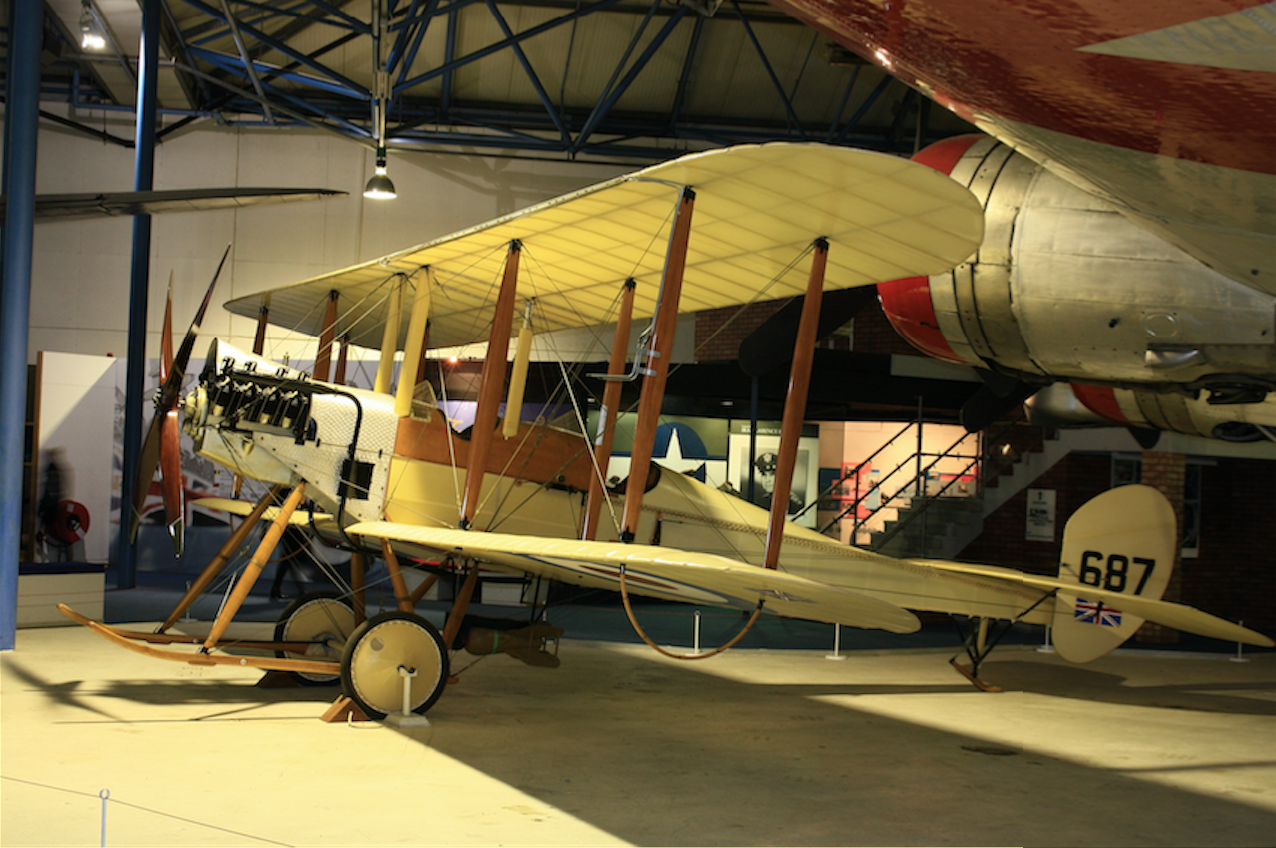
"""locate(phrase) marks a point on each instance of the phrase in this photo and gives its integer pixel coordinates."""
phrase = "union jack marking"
(1094, 612)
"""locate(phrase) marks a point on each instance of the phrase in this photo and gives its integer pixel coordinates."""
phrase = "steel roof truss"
(605, 106)
(353, 88)
(501, 45)
(531, 74)
(779, 87)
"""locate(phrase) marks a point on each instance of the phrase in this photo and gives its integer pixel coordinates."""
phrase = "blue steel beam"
(779, 89)
(399, 47)
(501, 45)
(449, 53)
(684, 80)
(620, 66)
(531, 73)
(864, 107)
(418, 35)
(351, 129)
(271, 42)
(601, 111)
(235, 65)
(139, 290)
(433, 12)
(841, 105)
(22, 107)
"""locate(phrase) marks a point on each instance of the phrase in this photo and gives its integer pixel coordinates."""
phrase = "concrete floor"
(621, 746)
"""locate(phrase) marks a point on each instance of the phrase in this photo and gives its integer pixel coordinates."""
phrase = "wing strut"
(609, 410)
(390, 338)
(656, 369)
(518, 376)
(259, 340)
(419, 320)
(491, 384)
(323, 358)
(253, 570)
(343, 359)
(218, 562)
(795, 402)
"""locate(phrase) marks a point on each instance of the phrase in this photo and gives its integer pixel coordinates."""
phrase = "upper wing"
(666, 573)
(757, 208)
(1179, 616)
(73, 207)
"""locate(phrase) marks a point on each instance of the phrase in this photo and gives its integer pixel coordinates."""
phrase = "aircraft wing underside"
(1178, 616)
(757, 208)
(660, 572)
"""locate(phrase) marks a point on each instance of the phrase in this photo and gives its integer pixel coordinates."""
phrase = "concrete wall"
(80, 277)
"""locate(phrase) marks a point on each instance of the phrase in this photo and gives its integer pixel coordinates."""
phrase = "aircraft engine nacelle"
(275, 424)
(1065, 288)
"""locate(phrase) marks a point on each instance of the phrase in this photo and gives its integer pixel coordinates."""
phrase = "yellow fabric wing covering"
(666, 573)
(243, 508)
(757, 208)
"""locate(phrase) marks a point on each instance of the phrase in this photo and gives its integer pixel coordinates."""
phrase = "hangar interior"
(1166, 743)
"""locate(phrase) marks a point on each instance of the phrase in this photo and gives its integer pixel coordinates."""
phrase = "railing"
(984, 466)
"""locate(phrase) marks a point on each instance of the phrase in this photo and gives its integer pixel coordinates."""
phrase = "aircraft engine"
(1065, 288)
(275, 424)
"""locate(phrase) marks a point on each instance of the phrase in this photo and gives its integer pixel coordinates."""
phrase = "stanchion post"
(837, 644)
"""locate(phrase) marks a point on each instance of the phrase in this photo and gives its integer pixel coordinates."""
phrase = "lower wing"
(659, 572)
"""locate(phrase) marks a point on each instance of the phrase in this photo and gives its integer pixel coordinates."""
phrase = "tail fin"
(1120, 542)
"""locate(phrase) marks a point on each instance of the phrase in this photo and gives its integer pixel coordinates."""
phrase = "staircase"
(941, 527)
(946, 526)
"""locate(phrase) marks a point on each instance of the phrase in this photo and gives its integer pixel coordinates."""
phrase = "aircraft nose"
(195, 411)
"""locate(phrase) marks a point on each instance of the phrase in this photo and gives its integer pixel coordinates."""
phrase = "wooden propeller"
(161, 447)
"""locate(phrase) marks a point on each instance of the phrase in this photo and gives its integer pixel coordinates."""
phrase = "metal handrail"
(980, 461)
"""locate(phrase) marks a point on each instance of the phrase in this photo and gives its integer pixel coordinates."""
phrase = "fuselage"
(1163, 108)
(361, 462)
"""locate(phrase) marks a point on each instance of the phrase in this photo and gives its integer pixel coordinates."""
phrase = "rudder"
(1122, 541)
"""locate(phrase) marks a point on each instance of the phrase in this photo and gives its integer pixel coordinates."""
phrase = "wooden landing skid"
(970, 675)
(130, 640)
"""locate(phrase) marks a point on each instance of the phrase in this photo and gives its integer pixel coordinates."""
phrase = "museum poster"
(762, 463)
(1040, 515)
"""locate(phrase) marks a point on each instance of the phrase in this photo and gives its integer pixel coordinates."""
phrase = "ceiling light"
(91, 37)
(380, 187)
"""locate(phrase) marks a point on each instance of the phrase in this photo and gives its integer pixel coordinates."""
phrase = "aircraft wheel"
(379, 648)
(316, 617)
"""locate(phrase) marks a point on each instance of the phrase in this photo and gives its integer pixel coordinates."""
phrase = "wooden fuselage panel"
(536, 455)
(534, 482)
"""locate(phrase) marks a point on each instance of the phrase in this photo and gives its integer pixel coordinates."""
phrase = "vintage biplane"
(389, 477)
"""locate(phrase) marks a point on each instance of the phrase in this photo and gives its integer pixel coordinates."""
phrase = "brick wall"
(1234, 577)
(720, 331)
(1165, 472)
(1235, 574)
(874, 334)
(1075, 479)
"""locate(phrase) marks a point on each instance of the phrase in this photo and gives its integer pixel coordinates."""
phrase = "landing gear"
(322, 619)
(385, 651)
(978, 649)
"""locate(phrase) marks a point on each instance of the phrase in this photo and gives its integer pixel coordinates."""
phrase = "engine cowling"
(1064, 288)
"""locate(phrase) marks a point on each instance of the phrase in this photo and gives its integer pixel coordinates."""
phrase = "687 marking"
(1113, 571)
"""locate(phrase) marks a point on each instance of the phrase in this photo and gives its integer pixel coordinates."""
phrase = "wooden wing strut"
(609, 411)
(491, 384)
(795, 403)
(656, 370)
